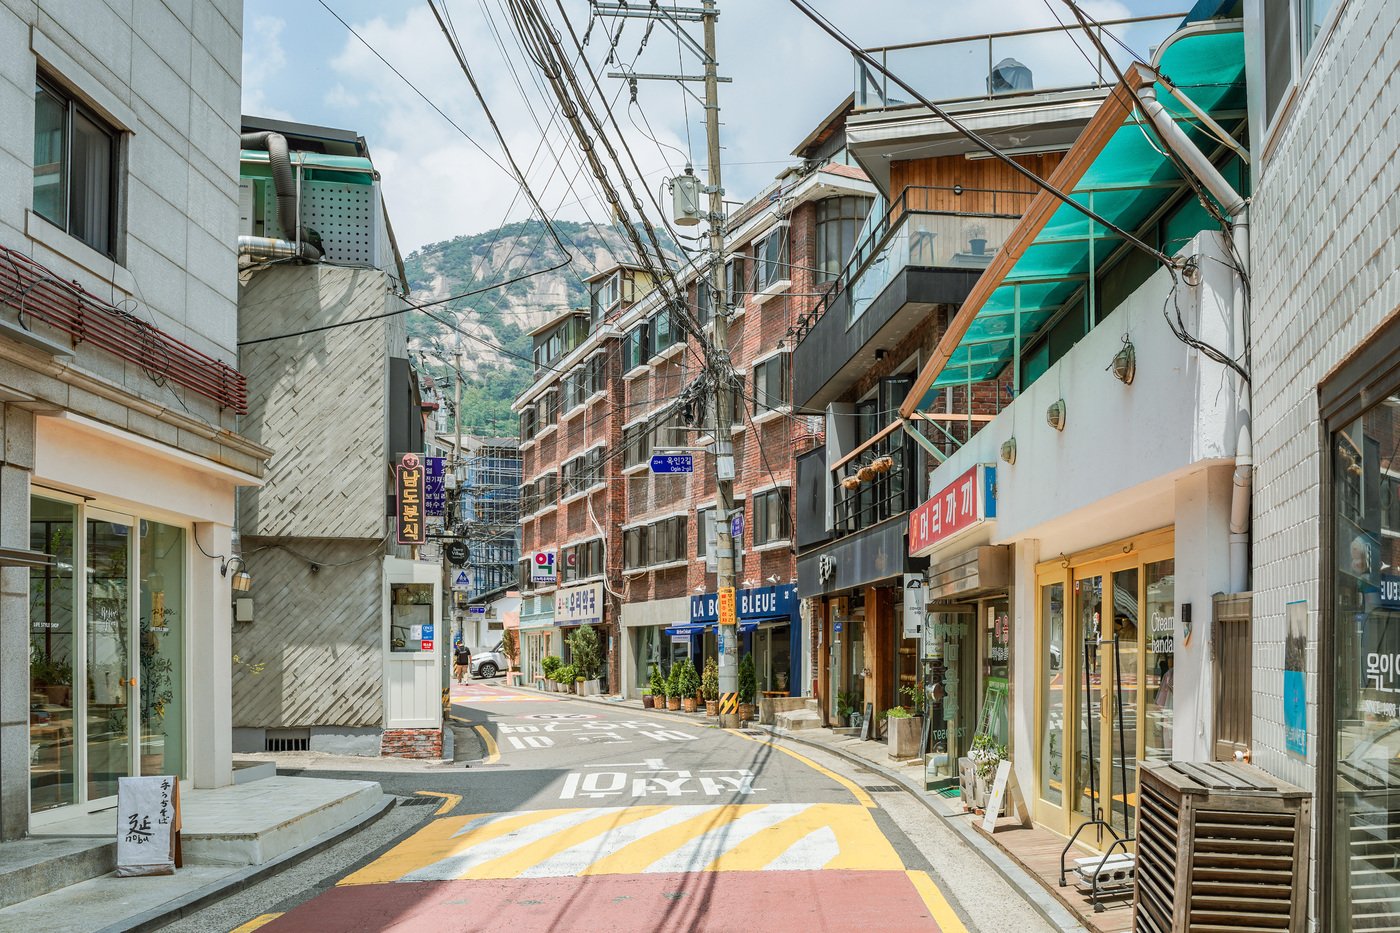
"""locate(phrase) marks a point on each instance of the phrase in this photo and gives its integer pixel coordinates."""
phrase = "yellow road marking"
(437, 841)
(861, 796)
(511, 865)
(633, 858)
(862, 847)
(255, 923)
(493, 753)
(448, 800)
(936, 903)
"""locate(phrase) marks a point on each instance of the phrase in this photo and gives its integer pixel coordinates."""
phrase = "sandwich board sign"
(148, 826)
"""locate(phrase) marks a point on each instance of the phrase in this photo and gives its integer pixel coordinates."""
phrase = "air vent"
(287, 740)
(1238, 839)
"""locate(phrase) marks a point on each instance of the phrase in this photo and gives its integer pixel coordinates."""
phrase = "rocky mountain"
(496, 355)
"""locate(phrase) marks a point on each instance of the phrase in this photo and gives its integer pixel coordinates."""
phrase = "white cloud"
(264, 65)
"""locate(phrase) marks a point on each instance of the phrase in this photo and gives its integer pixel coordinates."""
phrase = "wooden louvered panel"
(1222, 848)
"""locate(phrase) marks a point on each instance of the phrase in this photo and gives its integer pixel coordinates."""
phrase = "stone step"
(799, 719)
(39, 864)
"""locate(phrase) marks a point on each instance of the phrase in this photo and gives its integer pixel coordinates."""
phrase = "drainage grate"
(286, 745)
(751, 732)
(419, 801)
(883, 789)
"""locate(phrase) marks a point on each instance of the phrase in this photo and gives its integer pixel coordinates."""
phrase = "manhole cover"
(883, 789)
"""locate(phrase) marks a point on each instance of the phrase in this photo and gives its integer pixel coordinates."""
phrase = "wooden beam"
(1100, 129)
(875, 439)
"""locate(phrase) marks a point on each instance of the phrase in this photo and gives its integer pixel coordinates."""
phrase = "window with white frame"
(634, 547)
(771, 384)
(704, 300)
(733, 280)
(76, 155)
(636, 444)
(665, 332)
(1289, 29)
(838, 224)
(635, 347)
(771, 516)
(770, 262)
(582, 561)
(548, 407)
(529, 423)
(667, 539)
(603, 296)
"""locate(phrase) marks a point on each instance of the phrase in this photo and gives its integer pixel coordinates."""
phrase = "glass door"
(110, 680)
(1087, 775)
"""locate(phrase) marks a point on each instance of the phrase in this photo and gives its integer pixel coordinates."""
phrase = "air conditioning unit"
(1220, 846)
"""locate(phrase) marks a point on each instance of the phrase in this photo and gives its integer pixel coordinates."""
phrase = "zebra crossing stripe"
(637, 840)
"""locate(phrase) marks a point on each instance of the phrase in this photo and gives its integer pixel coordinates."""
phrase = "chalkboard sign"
(865, 726)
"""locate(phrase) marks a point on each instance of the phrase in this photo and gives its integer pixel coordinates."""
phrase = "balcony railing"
(1027, 61)
(923, 227)
(878, 483)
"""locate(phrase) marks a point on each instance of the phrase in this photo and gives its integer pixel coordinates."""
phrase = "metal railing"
(878, 484)
(1005, 64)
(919, 229)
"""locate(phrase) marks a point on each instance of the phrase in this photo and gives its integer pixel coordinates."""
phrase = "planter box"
(590, 688)
(648, 701)
(903, 736)
(688, 704)
(746, 712)
(673, 703)
(712, 707)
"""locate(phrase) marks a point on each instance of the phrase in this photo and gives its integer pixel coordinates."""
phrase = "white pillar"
(1025, 682)
(211, 660)
(1202, 570)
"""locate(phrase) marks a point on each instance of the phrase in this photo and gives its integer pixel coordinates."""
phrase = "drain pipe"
(288, 202)
(1238, 209)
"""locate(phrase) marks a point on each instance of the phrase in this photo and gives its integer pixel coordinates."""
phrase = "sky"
(301, 64)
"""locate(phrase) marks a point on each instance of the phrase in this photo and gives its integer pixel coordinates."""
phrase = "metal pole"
(723, 372)
(449, 519)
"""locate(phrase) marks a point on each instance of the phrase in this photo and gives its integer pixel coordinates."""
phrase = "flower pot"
(688, 704)
(866, 474)
(850, 482)
(712, 707)
(903, 736)
(979, 246)
(746, 712)
(673, 703)
(882, 464)
(648, 701)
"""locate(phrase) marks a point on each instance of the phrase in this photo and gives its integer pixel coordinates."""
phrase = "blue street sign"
(477, 610)
(736, 527)
(673, 463)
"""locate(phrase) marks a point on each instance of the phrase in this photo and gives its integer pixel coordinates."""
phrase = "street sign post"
(457, 553)
(673, 463)
(461, 580)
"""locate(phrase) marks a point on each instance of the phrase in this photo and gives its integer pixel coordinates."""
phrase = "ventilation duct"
(288, 206)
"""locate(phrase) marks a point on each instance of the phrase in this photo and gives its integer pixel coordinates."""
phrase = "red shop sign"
(964, 503)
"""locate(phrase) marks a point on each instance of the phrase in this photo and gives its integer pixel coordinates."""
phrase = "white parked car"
(488, 662)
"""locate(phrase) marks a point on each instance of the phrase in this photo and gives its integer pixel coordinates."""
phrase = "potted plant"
(976, 238)
(689, 684)
(587, 658)
(548, 665)
(882, 464)
(986, 754)
(656, 690)
(747, 688)
(673, 688)
(866, 474)
(850, 482)
(902, 731)
(709, 686)
(845, 708)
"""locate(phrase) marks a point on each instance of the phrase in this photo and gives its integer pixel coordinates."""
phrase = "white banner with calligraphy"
(148, 818)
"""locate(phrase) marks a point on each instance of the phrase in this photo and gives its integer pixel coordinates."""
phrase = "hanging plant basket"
(882, 464)
(866, 474)
(850, 482)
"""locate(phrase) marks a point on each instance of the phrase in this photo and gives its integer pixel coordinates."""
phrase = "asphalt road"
(579, 816)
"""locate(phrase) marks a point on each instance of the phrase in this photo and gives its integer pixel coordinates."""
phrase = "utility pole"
(451, 517)
(724, 394)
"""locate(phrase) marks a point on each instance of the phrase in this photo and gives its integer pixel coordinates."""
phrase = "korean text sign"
(409, 484)
(148, 818)
(964, 503)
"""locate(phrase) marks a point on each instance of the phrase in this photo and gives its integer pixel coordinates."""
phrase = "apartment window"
(636, 444)
(702, 530)
(634, 547)
(1289, 29)
(733, 280)
(839, 222)
(770, 516)
(770, 259)
(665, 332)
(634, 347)
(582, 561)
(603, 295)
(704, 301)
(667, 539)
(522, 573)
(771, 384)
(529, 423)
(574, 393)
(666, 432)
(75, 168)
(549, 407)
(583, 472)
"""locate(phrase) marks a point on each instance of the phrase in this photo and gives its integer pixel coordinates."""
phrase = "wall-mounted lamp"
(1055, 415)
(242, 580)
(773, 578)
(1124, 363)
(1008, 450)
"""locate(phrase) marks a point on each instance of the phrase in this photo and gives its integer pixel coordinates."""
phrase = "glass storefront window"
(108, 659)
(1087, 787)
(52, 646)
(410, 611)
(1052, 685)
(161, 647)
(949, 682)
(1365, 834)
(1159, 658)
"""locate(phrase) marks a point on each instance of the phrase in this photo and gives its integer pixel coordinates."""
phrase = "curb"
(181, 907)
(1034, 893)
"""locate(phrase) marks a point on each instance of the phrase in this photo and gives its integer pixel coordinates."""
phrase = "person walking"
(461, 662)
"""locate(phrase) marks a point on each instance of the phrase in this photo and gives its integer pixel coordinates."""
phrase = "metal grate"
(286, 745)
(419, 801)
(752, 732)
(342, 213)
(883, 789)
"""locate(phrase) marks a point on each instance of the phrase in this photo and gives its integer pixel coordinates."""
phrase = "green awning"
(1126, 182)
(349, 169)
